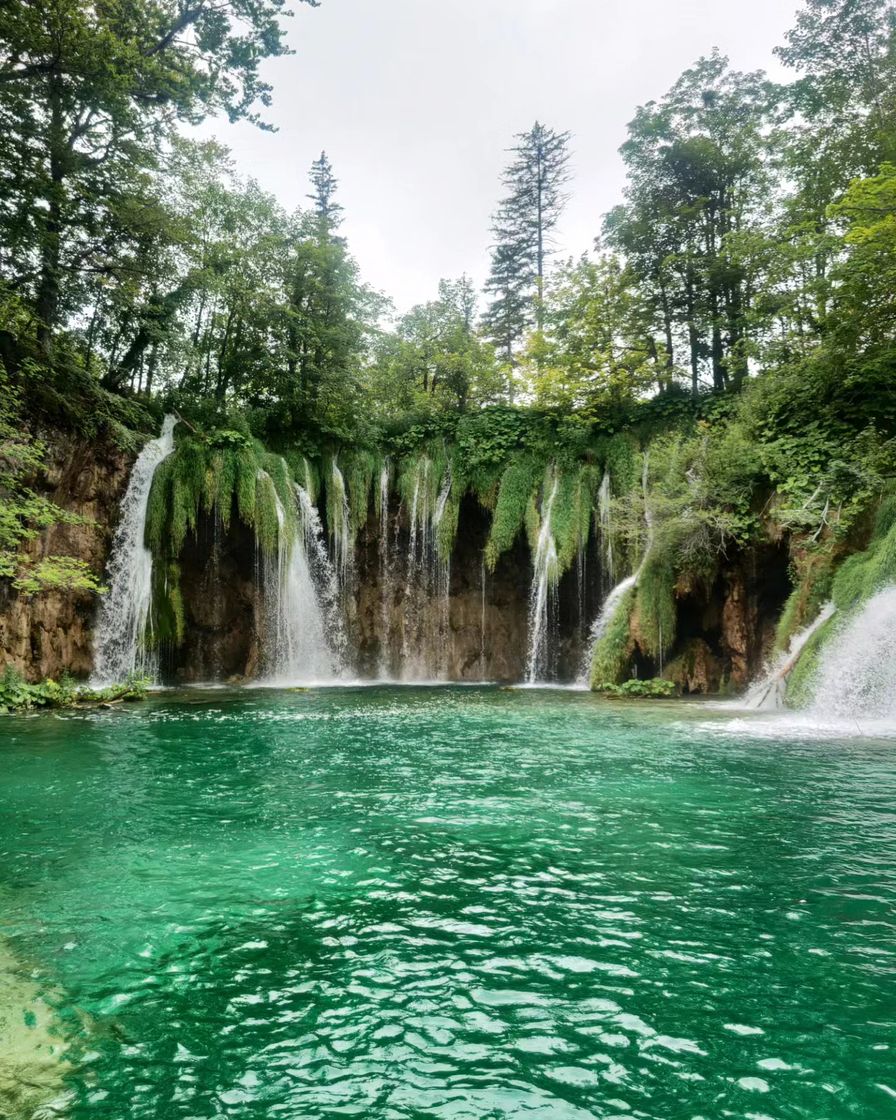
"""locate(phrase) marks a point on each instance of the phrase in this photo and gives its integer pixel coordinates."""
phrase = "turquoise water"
(453, 903)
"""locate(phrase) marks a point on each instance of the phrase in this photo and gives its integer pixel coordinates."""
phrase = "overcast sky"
(415, 102)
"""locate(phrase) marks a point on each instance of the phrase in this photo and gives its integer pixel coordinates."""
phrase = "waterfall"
(341, 529)
(301, 642)
(426, 633)
(482, 662)
(120, 639)
(542, 598)
(769, 692)
(856, 676)
(387, 589)
(605, 525)
(602, 624)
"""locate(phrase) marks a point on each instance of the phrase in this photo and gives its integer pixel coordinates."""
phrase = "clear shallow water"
(450, 903)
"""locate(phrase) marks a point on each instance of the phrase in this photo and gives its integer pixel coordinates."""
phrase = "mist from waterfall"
(123, 635)
(856, 676)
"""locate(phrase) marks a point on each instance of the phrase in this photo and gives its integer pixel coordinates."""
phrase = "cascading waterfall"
(482, 578)
(856, 676)
(298, 643)
(616, 596)
(542, 598)
(387, 588)
(323, 574)
(605, 528)
(121, 638)
(602, 623)
(425, 635)
(768, 693)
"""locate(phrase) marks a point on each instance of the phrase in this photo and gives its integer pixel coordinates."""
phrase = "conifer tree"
(323, 195)
(523, 228)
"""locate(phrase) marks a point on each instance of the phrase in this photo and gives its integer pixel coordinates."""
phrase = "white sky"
(415, 102)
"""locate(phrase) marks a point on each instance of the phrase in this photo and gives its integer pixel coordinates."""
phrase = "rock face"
(47, 634)
(223, 607)
(457, 622)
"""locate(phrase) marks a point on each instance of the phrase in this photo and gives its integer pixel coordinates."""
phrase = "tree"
(523, 227)
(89, 95)
(435, 360)
(326, 208)
(697, 180)
(596, 347)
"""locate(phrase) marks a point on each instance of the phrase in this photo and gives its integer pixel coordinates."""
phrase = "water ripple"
(451, 904)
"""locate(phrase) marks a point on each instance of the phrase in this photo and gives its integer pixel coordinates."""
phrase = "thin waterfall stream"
(542, 599)
(768, 693)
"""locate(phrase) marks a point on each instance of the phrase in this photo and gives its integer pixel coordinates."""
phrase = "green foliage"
(16, 695)
(24, 513)
(361, 469)
(802, 677)
(612, 655)
(652, 689)
(217, 476)
(517, 485)
(655, 607)
(811, 592)
(862, 575)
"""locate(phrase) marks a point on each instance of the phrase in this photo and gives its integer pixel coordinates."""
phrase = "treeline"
(755, 244)
(754, 231)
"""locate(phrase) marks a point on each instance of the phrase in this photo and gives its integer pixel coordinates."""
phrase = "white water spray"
(123, 628)
(856, 677)
(387, 585)
(542, 598)
(605, 525)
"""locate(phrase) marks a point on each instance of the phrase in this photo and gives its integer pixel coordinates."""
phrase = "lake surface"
(451, 903)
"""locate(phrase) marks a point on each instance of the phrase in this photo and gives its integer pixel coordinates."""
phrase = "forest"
(725, 350)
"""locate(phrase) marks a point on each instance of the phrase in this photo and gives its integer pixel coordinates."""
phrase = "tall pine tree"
(326, 208)
(523, 228)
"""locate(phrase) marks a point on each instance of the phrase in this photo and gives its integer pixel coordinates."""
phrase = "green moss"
(655, 604)
(226, 486)
(156, 529)
(267, 523)
(805, 601)
(518, 484)
(246, 478)
(361, 470)
(801, 681)
(168, 615)
(611, 659)
(574, 511)
(618, 455)
(862, 575)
